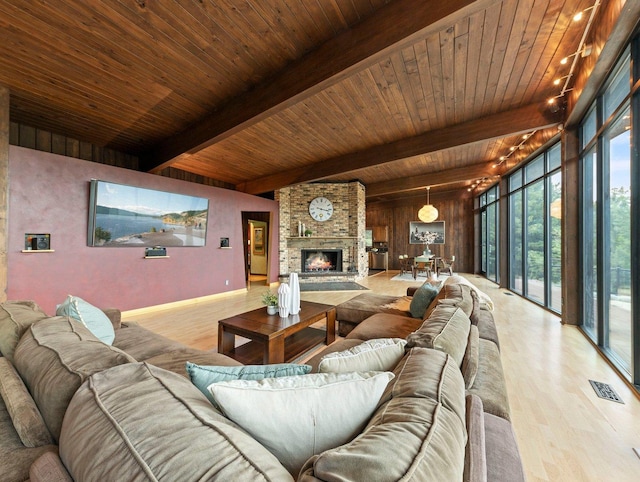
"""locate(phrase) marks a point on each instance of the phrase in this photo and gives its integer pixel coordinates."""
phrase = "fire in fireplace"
(321, 260)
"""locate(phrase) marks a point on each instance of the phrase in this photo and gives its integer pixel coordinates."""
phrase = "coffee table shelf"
(275, 339)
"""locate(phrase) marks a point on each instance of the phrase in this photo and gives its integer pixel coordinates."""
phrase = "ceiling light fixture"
(428, 213)
(479, 183)
(512, 149)
(584, 50)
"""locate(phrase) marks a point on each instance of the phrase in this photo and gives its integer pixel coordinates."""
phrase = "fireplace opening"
(321, 260)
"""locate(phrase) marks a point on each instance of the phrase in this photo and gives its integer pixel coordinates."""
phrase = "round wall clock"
(321, 209)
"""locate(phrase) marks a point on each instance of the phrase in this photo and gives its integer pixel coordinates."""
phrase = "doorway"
(256, 237)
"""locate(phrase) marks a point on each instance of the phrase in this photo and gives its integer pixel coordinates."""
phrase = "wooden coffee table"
(275, 339)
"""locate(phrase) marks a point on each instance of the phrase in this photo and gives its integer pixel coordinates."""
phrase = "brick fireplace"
(339, 239)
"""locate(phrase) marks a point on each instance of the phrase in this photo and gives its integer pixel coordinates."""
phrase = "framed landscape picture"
(129, 216)
(426, 233)
(258, 240)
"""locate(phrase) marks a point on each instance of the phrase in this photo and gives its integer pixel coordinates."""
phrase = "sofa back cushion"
(23, 411)
(54, 357)
(140, 422)
(471, 359)
(447, 329)
(455, 294)
(417, 432)
(15, 318)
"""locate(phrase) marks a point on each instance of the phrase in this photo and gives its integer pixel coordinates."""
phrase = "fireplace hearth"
(321, 260)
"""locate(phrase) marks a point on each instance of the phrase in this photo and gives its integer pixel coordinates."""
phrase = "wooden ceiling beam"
(449, 176)
(396, 25)
(495, 126)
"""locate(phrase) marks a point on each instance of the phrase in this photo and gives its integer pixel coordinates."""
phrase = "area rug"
(332, 286)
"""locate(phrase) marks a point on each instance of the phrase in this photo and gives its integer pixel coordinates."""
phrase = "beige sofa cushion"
(455, 294)
(49, 468)
(503, 456)
(471, 357)
(490, 384)
(417, 433)
(338, 345)
(385, 325)
(15, 318)
(447, 329)
(54, 357)
(475, 458)
(139, 422)
(379, 354)
(24, 413)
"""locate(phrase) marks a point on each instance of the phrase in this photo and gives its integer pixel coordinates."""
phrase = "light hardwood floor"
(565, 432)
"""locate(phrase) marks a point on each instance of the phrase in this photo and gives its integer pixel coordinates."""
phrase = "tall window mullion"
(611, 230)
(534, 236)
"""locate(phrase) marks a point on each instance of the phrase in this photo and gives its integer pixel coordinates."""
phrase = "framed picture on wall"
(426, 233)
(258, 240)
(130, 216)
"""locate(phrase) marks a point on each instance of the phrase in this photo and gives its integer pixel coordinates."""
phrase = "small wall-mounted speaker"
(37, 242)
(155, 251)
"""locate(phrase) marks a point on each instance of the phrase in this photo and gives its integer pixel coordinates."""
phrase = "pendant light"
(428, 213)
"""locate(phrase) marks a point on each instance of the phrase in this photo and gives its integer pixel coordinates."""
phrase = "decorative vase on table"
(272, 309)
(427, 251)
(294, 294)
(284, 300)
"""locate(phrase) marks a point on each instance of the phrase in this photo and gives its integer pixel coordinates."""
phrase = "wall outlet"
(226, 282)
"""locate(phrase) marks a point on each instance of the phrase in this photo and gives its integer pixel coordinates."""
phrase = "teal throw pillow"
(93, 318)
(203, 376)
(421, 300)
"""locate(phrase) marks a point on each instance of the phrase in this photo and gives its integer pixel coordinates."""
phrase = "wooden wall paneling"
(458, 217)
(58, 144)
(73, 148)
(43, 140)
(28, 136)
(86, 152)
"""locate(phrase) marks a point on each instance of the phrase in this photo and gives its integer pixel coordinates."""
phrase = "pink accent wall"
(49, 193)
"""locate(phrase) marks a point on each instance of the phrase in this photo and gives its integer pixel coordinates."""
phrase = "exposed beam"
(431, 179)
(396, 25)
(504, 124)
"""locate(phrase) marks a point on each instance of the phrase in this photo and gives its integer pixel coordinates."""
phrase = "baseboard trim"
(181, 303)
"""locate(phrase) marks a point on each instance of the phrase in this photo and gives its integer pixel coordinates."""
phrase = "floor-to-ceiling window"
(607, 185)
(489, 229)
(535, 234)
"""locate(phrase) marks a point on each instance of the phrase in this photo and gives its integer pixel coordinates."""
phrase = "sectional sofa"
(76, 408)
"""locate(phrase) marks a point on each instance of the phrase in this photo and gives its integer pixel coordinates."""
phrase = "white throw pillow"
(380, 354)
(301, 416)
(93, 318)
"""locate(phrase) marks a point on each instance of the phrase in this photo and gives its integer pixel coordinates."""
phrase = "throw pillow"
(298, 417)
(93, 318)
(203, 376)
(421, 300)
(381, 354)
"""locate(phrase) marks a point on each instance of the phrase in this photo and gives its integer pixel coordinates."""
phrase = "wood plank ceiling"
(262, 94)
